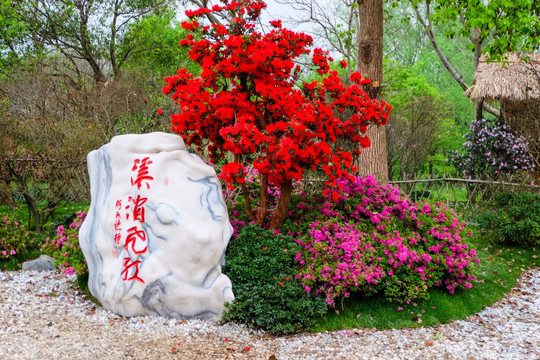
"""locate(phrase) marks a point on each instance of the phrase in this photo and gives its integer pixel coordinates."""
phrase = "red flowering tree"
(249, 100)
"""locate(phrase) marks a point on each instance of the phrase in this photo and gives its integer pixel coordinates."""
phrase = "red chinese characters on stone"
(133, 235)
(141, 167)
(127, 265)
(138, 208)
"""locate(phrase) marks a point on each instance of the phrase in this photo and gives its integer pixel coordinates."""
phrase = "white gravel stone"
(43, 316)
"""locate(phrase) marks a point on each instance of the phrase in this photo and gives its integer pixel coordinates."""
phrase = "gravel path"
(42, 316)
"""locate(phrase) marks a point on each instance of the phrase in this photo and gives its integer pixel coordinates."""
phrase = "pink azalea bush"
(65, 248)
(361, 236)
(14, 238)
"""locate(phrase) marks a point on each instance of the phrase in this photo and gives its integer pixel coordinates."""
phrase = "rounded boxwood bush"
(262, 268)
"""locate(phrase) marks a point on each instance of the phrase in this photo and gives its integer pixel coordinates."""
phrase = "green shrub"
(15, 241)
(262, 268)
(512, 219)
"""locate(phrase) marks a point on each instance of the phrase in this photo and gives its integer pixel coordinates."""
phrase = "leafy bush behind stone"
(261, 267)
(512, 219)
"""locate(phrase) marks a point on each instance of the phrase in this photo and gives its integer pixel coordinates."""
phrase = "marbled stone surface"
(157, 229)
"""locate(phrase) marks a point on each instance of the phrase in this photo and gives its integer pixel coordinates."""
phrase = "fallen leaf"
(90, 311)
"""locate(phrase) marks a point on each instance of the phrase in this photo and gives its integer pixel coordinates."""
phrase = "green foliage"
(261, 267)
(409, 46)
(421, 128)
(510, 25)
(404, 82)
(15, 240)
(161, 34)
(512, 219)
(82, 31)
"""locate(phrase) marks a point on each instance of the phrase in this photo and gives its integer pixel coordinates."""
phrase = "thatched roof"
(515, 80)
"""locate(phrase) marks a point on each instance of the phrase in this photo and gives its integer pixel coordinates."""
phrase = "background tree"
(54, 112)
(370, 65)
(418, 124)
(91, 35)
(496, 27)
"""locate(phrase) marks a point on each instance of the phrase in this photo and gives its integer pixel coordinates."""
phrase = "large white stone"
(157, 229)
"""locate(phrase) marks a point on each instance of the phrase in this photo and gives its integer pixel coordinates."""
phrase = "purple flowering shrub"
(491, 148)
(365, 237)
(65, 248)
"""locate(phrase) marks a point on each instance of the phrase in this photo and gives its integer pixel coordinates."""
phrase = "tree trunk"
(261, 212)
(373, 160)
(6, 197)
(280, 214)
(33, 210)
(479, 107)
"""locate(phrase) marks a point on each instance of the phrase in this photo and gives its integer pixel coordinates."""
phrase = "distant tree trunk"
(33, 210)
(479, 106)
(5, 194)
(373, 160)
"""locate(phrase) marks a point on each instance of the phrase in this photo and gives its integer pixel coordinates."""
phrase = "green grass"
(497, 274)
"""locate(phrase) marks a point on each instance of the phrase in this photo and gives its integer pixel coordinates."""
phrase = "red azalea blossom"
(249, 101)
(159, 111)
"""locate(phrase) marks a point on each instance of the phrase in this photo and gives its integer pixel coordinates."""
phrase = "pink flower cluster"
(370, 238)
(341, 256)
(14, 238)
(65, 247)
